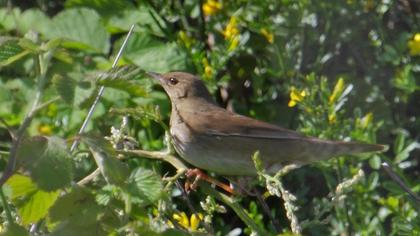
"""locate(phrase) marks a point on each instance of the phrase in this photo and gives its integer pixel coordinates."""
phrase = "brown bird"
(215, 139)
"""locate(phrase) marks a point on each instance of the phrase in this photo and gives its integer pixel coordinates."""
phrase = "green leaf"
(36, 206)
(32, 203)
(21, 186)
(124, 78)
(47, 161)
(10, 52)
(140, 16)
(14, 230)
(65, 87)
(144, 186)
(82, 27)
(102, 6)
(33, 19)
(114, 171)
(150, 54)
(375, 162)
(76, 213)
(142, 112)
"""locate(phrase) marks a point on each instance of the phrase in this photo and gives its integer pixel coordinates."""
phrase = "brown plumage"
(215, 139)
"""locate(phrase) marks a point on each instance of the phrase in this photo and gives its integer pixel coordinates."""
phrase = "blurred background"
(344, 70)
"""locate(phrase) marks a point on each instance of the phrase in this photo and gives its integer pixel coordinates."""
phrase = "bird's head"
(181, 86)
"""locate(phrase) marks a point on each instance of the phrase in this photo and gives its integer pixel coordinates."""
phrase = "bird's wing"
(224, 123)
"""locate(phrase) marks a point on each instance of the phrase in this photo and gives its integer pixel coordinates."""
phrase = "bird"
(214, 139)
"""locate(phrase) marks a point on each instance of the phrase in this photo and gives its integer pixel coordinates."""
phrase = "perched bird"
(214, 139)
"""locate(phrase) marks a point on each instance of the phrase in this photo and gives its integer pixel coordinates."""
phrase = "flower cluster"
(414, 45)
(296, 96)
(211, 7)
(191, 223)
(232, 33)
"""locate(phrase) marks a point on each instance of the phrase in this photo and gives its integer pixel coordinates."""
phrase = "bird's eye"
(173, 81)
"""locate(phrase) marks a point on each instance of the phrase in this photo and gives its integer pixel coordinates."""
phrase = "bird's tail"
(327, 149)
(356, 147)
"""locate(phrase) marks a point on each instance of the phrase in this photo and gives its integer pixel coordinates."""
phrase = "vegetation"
(344, 70)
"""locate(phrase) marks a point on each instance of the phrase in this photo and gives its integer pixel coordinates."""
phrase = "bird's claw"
(198, 175)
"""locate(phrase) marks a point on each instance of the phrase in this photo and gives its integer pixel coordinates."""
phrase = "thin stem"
(101, 91)
(6, 207)
(163, 156)
(236, 207)
(90, 177)
(414, 197)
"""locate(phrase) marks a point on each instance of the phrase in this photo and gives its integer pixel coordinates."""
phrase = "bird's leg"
(200, 175)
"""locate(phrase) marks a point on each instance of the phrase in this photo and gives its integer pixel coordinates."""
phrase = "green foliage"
(303, 65)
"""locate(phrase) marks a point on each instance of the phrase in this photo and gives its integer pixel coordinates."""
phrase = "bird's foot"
(197, 175)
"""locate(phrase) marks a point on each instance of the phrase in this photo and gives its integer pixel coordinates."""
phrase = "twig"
(9, 129)
(45, 104)
(88, 178)
(236, 207)
(267, 211)
(400, 182)
(163, 156)
(101, 91)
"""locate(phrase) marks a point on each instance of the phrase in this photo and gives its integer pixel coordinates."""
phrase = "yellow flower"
(233, 44)
(208, 70)
(192, 223)
(332, 118)
(296, 96)
(338, 90)
(267, 35)
(414, 45)
(45, 129)
(231, 30)
(185, 39)
(231, 33)
(211, 7)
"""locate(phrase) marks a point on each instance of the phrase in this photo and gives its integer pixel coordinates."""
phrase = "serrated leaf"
(82, 28)
(114, 171)
(32, 203)
(144, 186)
(65, 87)
(10, 52)
(123, 78)
(141, 112)
(150, 54)
(76, 213)
(47, 161)
(36, 206)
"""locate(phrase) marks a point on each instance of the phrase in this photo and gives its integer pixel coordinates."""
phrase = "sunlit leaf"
(151, 54)
(82, 28)
(32, 203)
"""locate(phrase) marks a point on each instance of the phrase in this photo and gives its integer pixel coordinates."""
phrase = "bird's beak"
(155, 76)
